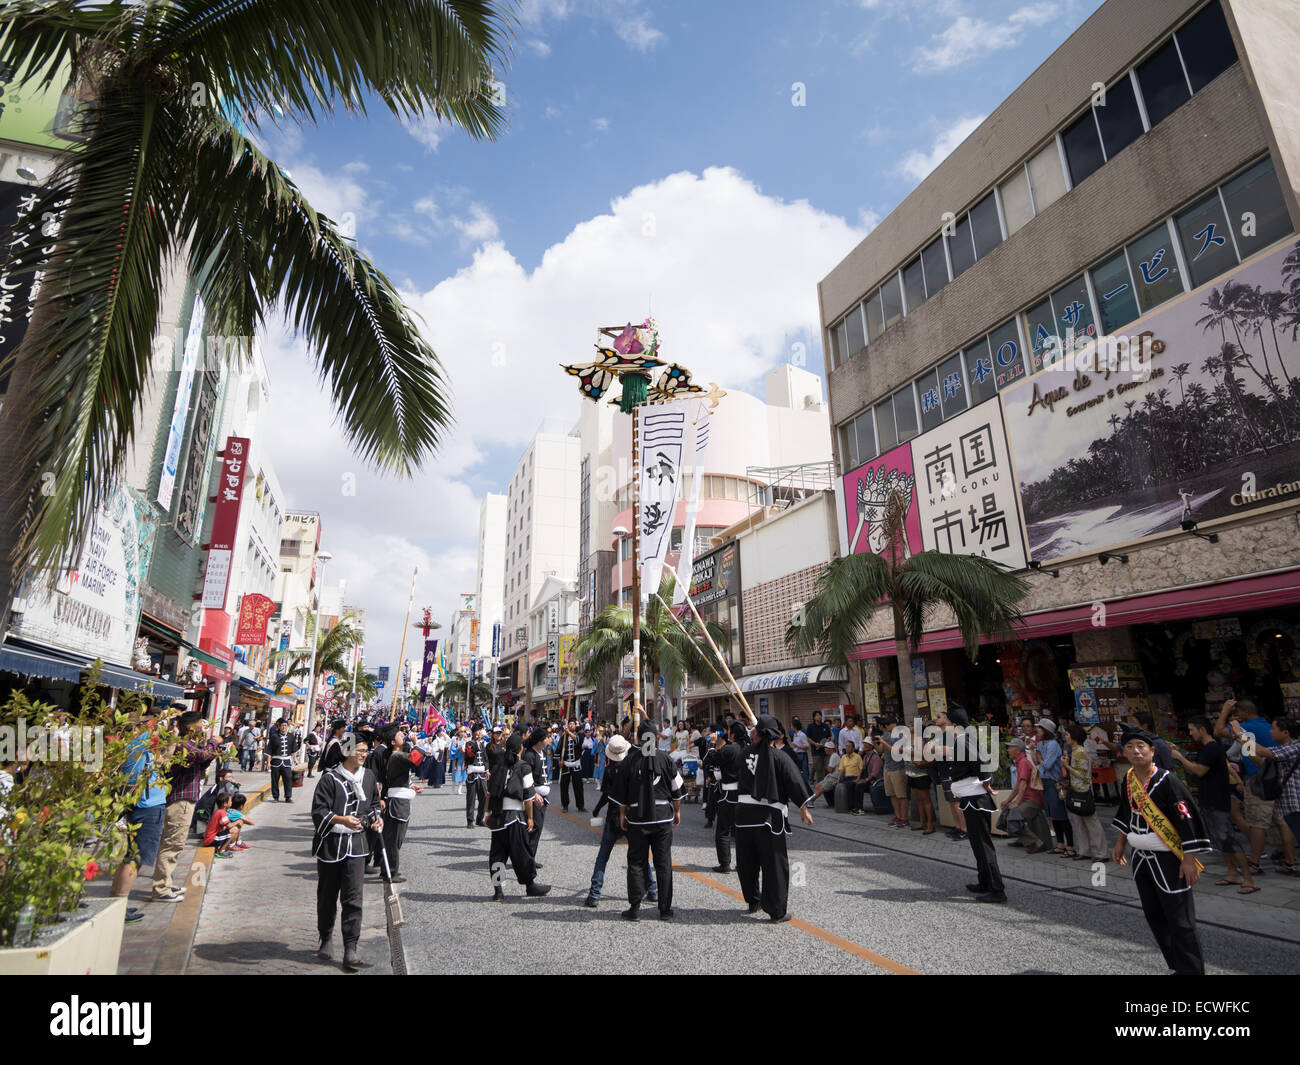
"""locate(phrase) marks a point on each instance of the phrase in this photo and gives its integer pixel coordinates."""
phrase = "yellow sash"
(1139, 799)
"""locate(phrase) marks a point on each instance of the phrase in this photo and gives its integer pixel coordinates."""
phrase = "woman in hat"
(1051, 768)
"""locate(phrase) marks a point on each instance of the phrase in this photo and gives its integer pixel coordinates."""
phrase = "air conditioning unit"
(812, 403)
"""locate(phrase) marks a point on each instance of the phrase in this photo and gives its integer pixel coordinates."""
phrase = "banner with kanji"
(663, 438)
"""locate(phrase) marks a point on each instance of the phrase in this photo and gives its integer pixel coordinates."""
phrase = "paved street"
(861, 908)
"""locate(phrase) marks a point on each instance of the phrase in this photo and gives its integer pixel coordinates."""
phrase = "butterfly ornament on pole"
(630, 355)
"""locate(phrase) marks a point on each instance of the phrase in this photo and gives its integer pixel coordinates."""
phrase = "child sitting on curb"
(238, 819)
(218, 831)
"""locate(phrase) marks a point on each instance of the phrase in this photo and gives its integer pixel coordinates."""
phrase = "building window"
(885, 424)
(1119, 120)
(914, 284)
(1163, 83)
(961, 248)
(875, 317)
(1041, 329)
(979, 371)
(1257, 191)
(1008, 360)
(935, 264)
(855, 335)
(952, 387)
(837, 343)
(1046, 178)
(927, 393)
(859, 440)
(1207, 244)
(1155, 267)
(891, 298)
(1114, 287)
(1017, 207)
(1206, 46)
(985, 227)
(904, 401)
(1082, 147)
(1073, 309)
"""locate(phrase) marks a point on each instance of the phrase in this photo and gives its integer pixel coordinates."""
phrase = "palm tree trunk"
(906, 690)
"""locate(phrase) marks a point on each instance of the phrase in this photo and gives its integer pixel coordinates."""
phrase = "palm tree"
(984, 596)
(453, 689)
(666, 650)
(165, 177)
(367, 686)
(334, 650)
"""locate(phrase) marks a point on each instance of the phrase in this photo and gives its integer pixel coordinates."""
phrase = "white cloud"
(335, 195)
(868, 219)
(551, 112)
(637, 32)
(968, 38)
(479, 226)
(600, 124)
(916, 165)
(626, 17)
(540, 47)
(428, 130)
(729, 273)
(426, 206)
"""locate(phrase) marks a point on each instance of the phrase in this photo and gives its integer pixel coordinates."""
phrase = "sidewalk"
(1274, 911)
(253, 913)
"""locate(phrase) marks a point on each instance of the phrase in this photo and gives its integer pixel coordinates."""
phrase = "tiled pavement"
(1273, 911)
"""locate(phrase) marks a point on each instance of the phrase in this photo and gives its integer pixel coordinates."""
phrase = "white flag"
(686, 561)
(663, 442)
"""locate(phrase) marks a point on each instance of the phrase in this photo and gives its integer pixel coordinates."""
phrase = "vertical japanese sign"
(866, 491)
(496, 639)
(430, 657)
(553, 662)
(225, 522)
(17, 290)
(965, 495)
(663, 441)
(383, 675)
(181, 406)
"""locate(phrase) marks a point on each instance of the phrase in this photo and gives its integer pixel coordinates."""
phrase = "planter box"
(86, 945)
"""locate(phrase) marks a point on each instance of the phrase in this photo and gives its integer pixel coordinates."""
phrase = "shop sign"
(716, 576)
(1106, 457)
(94, 608)
(866, 491)
(180, 406)
(255, 610)
(1216, 628)
(1094, 677)
(552, 662)
(966, 495)
(769, 681)
(17, 291)
(52, 115)
(225, 522)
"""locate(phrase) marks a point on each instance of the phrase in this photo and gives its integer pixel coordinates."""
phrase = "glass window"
(961, 248)
(1155, 270)
(891, 298)
(875, 318)
(1256, 209)
(1207, 244)
(1044, 341)
(838, 352)
(1164, 86)
(985, 227)
(1082, 148)
(936, 267)
(1074, 322)
(885, 424)
(927, 392)
(865, 430)
(1206, 45)
(1046, 177)
(1016, 205)
(979, 371)
(914, 284)
(1116, 302)
(856, 338)
(952, 389)
(849, 447)
(1120, 122)
(1008, 361)
(905, 413)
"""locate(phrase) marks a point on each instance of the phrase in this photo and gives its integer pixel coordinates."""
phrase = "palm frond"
(983, 595)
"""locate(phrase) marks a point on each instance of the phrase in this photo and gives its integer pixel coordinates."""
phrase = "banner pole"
(721, 660)
(402, 653)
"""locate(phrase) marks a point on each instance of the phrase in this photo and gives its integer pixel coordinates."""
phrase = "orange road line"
(858, 951)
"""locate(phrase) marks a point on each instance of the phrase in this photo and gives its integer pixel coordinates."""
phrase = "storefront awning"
(205, 657)
(156, 628)
(1181, 604)
(55, 666)
(778, 680)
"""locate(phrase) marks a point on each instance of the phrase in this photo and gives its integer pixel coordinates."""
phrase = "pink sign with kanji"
(225, 522)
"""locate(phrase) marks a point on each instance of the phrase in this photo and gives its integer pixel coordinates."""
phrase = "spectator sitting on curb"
(217, 835)
(826, 786)
(238, 819)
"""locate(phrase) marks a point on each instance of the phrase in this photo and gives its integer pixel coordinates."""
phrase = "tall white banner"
(700, 427)
(663, 444)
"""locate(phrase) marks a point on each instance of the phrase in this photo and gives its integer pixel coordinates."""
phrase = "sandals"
(1247, 890)
(1225, 883)
(1067, 853)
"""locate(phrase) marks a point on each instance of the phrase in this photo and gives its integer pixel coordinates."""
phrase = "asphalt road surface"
(857, 909)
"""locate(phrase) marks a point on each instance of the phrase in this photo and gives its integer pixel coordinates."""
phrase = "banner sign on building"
(255, 610)
(1207, 429)
(966, 497)
(180, 407)
(225, 522)
(473, 635)
(553, 662)
(868, 488)
(468, 602)
(663, 443)
(17, 290)
(49, 115)
(496, 639)
(383, 675)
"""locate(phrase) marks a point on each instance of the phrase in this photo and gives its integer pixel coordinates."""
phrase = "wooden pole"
(402, 653)
(636, 573)
(734, 696)
(722, 660)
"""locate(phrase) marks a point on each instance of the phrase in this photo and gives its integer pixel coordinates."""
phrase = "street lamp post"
(314, 647)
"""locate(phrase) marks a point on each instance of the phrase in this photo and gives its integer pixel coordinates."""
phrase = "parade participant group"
(755, 782)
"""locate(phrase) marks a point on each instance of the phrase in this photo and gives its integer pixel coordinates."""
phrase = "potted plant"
(65, 791)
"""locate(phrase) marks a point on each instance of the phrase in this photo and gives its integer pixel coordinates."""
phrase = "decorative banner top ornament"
(630, 354)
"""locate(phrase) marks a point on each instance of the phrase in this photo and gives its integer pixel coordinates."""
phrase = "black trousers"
(311, 763)
(475, 791)
(343, 880)
(724, 830)
(1173, 922)
(981, 844)
(710, 803)
(511, 842)
(576, 776)
(282, 773)
(641, 841)
(535, 836)
(760, 852)
(394, 834)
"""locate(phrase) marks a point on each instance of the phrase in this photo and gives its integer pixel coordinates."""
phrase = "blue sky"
(658, 154)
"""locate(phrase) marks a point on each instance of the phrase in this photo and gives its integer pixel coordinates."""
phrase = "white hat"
(617, 748)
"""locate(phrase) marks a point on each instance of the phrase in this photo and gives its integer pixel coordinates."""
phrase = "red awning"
(281, 704)
(1201, 601)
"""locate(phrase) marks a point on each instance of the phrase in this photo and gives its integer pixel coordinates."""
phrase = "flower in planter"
(92, 869)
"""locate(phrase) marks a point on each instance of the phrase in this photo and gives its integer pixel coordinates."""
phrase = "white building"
(491, 571)
(552, 627)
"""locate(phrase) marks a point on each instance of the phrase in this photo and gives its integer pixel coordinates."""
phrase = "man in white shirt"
(666, 736)
(800, 746)
(850, 731)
